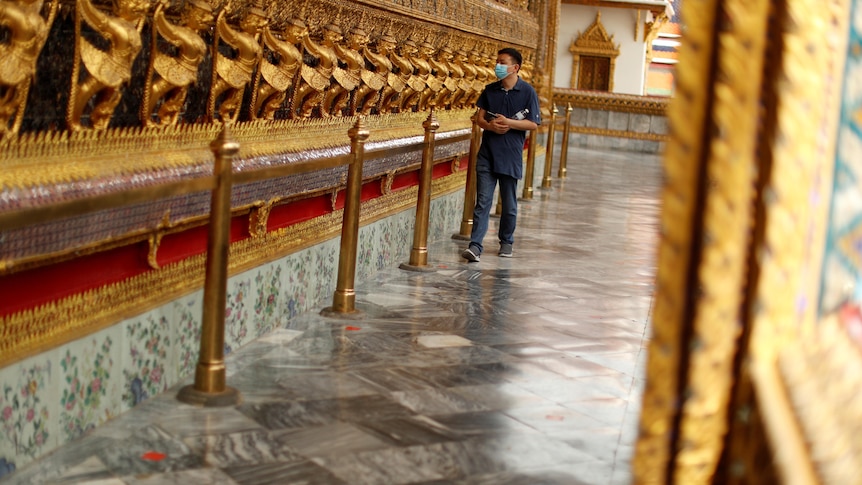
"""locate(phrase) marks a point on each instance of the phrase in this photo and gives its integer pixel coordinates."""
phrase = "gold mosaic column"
(797, 159)
(210, 388)
(706, 221)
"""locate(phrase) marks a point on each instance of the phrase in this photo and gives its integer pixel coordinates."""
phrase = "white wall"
(618, 22)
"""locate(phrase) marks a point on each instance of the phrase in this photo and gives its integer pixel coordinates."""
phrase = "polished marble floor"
(526, 370)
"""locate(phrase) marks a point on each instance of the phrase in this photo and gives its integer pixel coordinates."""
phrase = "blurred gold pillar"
(209, 388)
(419, 253)
(564, 149)
(470, 186)
(344, 298)
(531, 164)
(549, 150)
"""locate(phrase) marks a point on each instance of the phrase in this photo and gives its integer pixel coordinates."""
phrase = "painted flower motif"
(236, 315)
(156, 374)
(86, 375)
(22, 408)
(96, 385)
(150, 342)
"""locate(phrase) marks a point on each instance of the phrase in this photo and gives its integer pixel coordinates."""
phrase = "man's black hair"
(516, 56)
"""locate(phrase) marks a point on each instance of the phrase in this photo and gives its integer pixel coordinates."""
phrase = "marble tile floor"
(526, 370)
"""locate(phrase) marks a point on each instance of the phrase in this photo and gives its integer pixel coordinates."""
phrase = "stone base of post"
(330, 312)
(419, 268)
(190, 395)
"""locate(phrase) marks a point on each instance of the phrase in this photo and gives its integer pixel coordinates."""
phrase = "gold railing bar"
(291, 169)
(374, 154)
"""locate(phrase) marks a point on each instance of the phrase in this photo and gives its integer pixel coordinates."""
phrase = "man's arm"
(525, 125)
(498, 125)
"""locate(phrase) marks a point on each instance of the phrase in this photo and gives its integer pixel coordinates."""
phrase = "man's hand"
(498, 125)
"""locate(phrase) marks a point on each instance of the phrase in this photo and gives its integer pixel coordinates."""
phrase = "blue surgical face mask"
(501, 70)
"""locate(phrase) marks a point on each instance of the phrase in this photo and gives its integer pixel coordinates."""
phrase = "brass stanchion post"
(470, 186)
(549, 150)
(564, 149)
(531, 163)
(419, 253)
(209, 388)
(344, 299)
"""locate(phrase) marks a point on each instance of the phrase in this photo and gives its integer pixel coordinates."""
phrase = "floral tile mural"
(402, 234)
(28, 411)
(89, 393)
(188, 313)
(325, 271)
(365, 252)
(268, 303)
(61, 394)
(236, 321)
(297, 282)
(147, 368)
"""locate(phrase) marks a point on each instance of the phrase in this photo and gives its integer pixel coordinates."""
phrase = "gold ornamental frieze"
(623, 103)
(56, 159)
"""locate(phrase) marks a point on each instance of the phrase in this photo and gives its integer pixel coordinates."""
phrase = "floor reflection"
(510, 371)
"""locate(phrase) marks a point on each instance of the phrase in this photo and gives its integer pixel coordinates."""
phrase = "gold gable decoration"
(595, 41)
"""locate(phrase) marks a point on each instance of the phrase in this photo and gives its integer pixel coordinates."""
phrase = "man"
(508, 108)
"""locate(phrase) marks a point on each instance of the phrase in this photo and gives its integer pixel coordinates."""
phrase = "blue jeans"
(486, 181)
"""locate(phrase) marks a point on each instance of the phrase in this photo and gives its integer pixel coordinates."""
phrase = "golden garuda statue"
(374, 80)
(27, 31)
(279, 68)
(350, 77)
(106, 70)
(422, 61)
(169, 76)
(314, 81)
(407, 71)
(231, 75)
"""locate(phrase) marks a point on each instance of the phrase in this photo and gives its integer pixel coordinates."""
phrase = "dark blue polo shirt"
(505, 152)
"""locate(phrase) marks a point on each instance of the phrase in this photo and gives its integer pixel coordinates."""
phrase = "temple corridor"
(526, 370)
